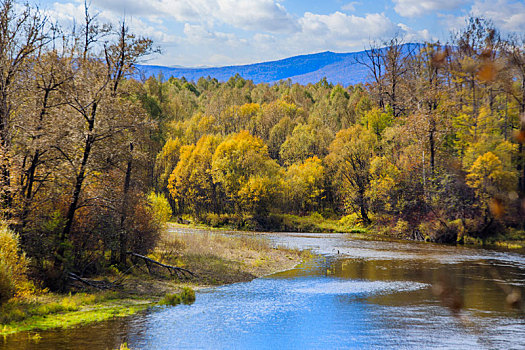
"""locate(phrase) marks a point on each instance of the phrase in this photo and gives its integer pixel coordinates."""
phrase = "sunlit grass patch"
(186, 296)
(66, 312)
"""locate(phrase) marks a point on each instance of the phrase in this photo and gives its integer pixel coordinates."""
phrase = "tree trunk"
(362, 206)
(79, 181)
(5, 176)
(123, 239)
(432, 143)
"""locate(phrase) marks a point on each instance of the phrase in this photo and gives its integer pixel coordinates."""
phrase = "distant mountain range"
(338, 68)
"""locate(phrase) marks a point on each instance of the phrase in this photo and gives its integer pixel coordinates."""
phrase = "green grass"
(186, 296)
(511, 239)
(215, 258)
(43, 316)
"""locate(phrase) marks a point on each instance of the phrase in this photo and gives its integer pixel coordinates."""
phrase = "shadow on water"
(357, 294)
(103, 335)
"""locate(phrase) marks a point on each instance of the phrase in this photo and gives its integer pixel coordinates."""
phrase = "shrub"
(316, 217)
(436, 231)
(187, 296)
(428, 229)
(143, 229)
(216, 220)
(171, 299)
(13, 265)
(350, 220)
(160, 207)
(401, 229)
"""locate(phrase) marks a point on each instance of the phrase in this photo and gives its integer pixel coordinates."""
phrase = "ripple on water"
(360, 294)
(361, 287)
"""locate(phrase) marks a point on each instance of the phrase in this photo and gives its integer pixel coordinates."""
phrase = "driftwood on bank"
(102, 285)
(179, 271)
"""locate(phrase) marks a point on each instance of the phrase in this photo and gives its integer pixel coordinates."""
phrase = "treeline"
(75, 147)
(431, 148)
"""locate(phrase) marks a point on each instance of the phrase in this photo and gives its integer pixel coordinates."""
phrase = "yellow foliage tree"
(350, 156)
(489, 179)
(304, 184)
(384, 177)
(241, 165)
(13, 265)
(166, 161)
(191, 182)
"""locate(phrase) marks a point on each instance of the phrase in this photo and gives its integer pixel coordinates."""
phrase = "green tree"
(377, 121)
(306, 141)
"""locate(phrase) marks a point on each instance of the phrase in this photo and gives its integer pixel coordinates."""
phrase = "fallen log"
(92, 283)
(179, 271)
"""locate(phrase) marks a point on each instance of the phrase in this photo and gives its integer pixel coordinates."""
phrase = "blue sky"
(226, 32)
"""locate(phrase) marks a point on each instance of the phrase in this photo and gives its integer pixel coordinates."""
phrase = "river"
(357, 294)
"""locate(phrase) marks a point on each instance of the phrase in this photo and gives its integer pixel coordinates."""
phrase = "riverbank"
(314, 222)
(508, 239)
(214, 259)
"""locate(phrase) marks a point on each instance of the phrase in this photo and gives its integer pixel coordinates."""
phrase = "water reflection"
(359, 294)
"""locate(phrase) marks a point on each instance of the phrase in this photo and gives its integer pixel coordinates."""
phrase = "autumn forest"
(93, 159)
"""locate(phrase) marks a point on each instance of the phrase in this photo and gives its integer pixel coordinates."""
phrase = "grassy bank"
(47, 311)
(274, 222)
(215, 259)
(512, 239)
(225, 258)
(315, 222)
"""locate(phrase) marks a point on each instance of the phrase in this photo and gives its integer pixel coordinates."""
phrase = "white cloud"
(181, 10)
(224, 32)
(350, 6)
(336, 32)
(452, 23)
(507, 15)
(417, 8)
(129, 8)
(68, 14)
(266, 15)
(415, 36)
(341, 31)
(199, 34)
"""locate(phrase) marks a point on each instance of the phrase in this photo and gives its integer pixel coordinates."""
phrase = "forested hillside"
(431, 148)
(338, 68)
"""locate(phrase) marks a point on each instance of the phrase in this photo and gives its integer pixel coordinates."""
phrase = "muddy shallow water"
(356, 294)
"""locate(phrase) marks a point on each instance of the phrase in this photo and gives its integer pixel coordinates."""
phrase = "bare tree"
(21, 35)
(375, 63)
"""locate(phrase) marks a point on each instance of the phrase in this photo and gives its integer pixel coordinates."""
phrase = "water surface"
(356, 294)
